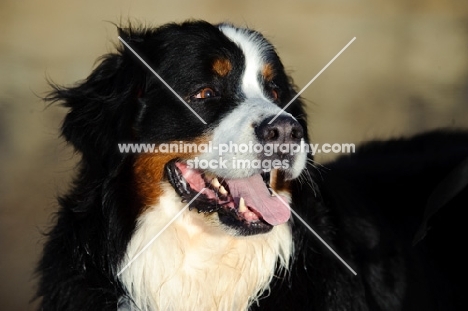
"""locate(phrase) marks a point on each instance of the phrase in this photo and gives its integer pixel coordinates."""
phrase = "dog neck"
(195, 264)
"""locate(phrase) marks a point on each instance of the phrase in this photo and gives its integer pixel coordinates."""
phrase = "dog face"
(233, 80)
(231, 90)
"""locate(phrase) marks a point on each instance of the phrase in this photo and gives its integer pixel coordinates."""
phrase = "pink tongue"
(257, 196)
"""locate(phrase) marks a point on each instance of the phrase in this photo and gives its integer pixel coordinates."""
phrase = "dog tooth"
(222, 190)
(215, 183)
(273, 177)
(242, 206)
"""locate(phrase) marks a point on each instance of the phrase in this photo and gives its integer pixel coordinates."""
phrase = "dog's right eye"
(205, 93)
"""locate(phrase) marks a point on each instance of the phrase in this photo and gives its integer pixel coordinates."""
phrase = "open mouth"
(247, 204)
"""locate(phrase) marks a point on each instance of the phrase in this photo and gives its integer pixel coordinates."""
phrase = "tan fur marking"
(222, 66)
(278, 182)
(148, 171)
(268, 72)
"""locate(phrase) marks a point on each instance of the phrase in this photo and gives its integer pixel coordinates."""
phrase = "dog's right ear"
(103, 107)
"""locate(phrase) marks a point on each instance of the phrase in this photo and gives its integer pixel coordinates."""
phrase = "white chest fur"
(195, 264)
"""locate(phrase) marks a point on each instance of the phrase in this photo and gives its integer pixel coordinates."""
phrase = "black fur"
(367, 206)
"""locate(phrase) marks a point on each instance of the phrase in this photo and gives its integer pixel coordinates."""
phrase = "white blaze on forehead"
(253, 46)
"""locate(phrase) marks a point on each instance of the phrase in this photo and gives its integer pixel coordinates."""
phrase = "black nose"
(283, 130)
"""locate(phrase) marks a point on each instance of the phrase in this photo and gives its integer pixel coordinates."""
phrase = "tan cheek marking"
(222, 67)
(268, 72)
(148, 173)
(278, 182)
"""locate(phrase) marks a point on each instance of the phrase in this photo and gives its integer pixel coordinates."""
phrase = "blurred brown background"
(406, 72)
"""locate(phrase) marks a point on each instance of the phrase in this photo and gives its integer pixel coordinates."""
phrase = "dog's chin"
(246, 206)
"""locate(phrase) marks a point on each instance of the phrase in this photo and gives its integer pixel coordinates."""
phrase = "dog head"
(212, 102)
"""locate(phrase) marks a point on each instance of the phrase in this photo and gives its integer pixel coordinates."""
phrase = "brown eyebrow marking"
(222, 66)
(268, 72)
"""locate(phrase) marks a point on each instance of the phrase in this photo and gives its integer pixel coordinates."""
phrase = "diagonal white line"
(161, 79)
(315, 233)
(313, 79)
(159, 233)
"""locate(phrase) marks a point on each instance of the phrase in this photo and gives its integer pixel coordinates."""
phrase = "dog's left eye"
(274, 94)
(205, 93)
(274, 91)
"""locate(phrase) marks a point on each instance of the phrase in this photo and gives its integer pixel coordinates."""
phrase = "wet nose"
(283, 130)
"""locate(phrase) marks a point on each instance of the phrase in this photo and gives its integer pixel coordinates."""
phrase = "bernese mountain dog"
(184, 226)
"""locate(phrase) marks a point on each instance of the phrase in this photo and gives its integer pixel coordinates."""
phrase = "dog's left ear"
(103, 107)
